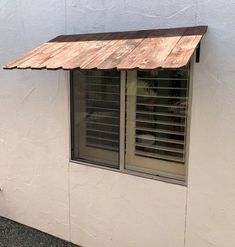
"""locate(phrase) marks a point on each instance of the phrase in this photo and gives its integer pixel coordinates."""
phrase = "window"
(96, 116)
(152, 107)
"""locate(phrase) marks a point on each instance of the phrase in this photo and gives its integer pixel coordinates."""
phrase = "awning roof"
(147, 49)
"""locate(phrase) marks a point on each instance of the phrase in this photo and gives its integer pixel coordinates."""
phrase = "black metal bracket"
(198, 53)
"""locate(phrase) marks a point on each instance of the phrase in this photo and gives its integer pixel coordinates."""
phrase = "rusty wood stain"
(146, 49)
(185, 48)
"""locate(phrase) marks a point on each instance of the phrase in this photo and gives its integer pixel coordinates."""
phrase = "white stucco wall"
(211, 190)
(33, 122)
(95, 207)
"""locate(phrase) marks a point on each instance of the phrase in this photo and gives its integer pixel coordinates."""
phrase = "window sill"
(133, 173)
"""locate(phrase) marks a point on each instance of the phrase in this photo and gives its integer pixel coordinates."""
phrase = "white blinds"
(102, 112)
(161, 114)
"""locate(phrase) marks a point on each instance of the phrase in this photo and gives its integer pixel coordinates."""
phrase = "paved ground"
(13, 234)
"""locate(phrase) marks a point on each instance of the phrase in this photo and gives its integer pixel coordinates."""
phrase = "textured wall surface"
(33, 122)
(96, 207)
(113, 209)
(211, 190)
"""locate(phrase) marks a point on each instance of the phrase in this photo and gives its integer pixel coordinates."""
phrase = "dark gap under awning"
(146, 49)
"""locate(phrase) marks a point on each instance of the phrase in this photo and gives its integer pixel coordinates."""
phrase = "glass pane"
(96, 117)
(161, 104)
(156, 120)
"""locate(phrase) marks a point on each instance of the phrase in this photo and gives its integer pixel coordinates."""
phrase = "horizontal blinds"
(102, 101)
(161, 114)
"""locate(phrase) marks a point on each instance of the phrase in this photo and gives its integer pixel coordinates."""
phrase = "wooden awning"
(146, 49)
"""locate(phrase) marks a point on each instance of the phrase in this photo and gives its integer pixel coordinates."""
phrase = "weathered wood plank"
(13, 64)
(100, 55)
(41, 56)
(153, 50)
(185, 48)
(56, 61)
(54, 48)
(123, 49)
(55, 56)
(103, 54)
(96, 51)
(149, 49)
(86, 52)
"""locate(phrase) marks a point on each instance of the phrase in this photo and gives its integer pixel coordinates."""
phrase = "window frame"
(86, 150)
(164, 168)
(122, 169)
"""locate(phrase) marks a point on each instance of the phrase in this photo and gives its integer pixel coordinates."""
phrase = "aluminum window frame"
(142, 173)
(72, 130)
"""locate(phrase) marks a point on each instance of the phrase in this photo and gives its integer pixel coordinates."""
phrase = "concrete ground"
(13, 234)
